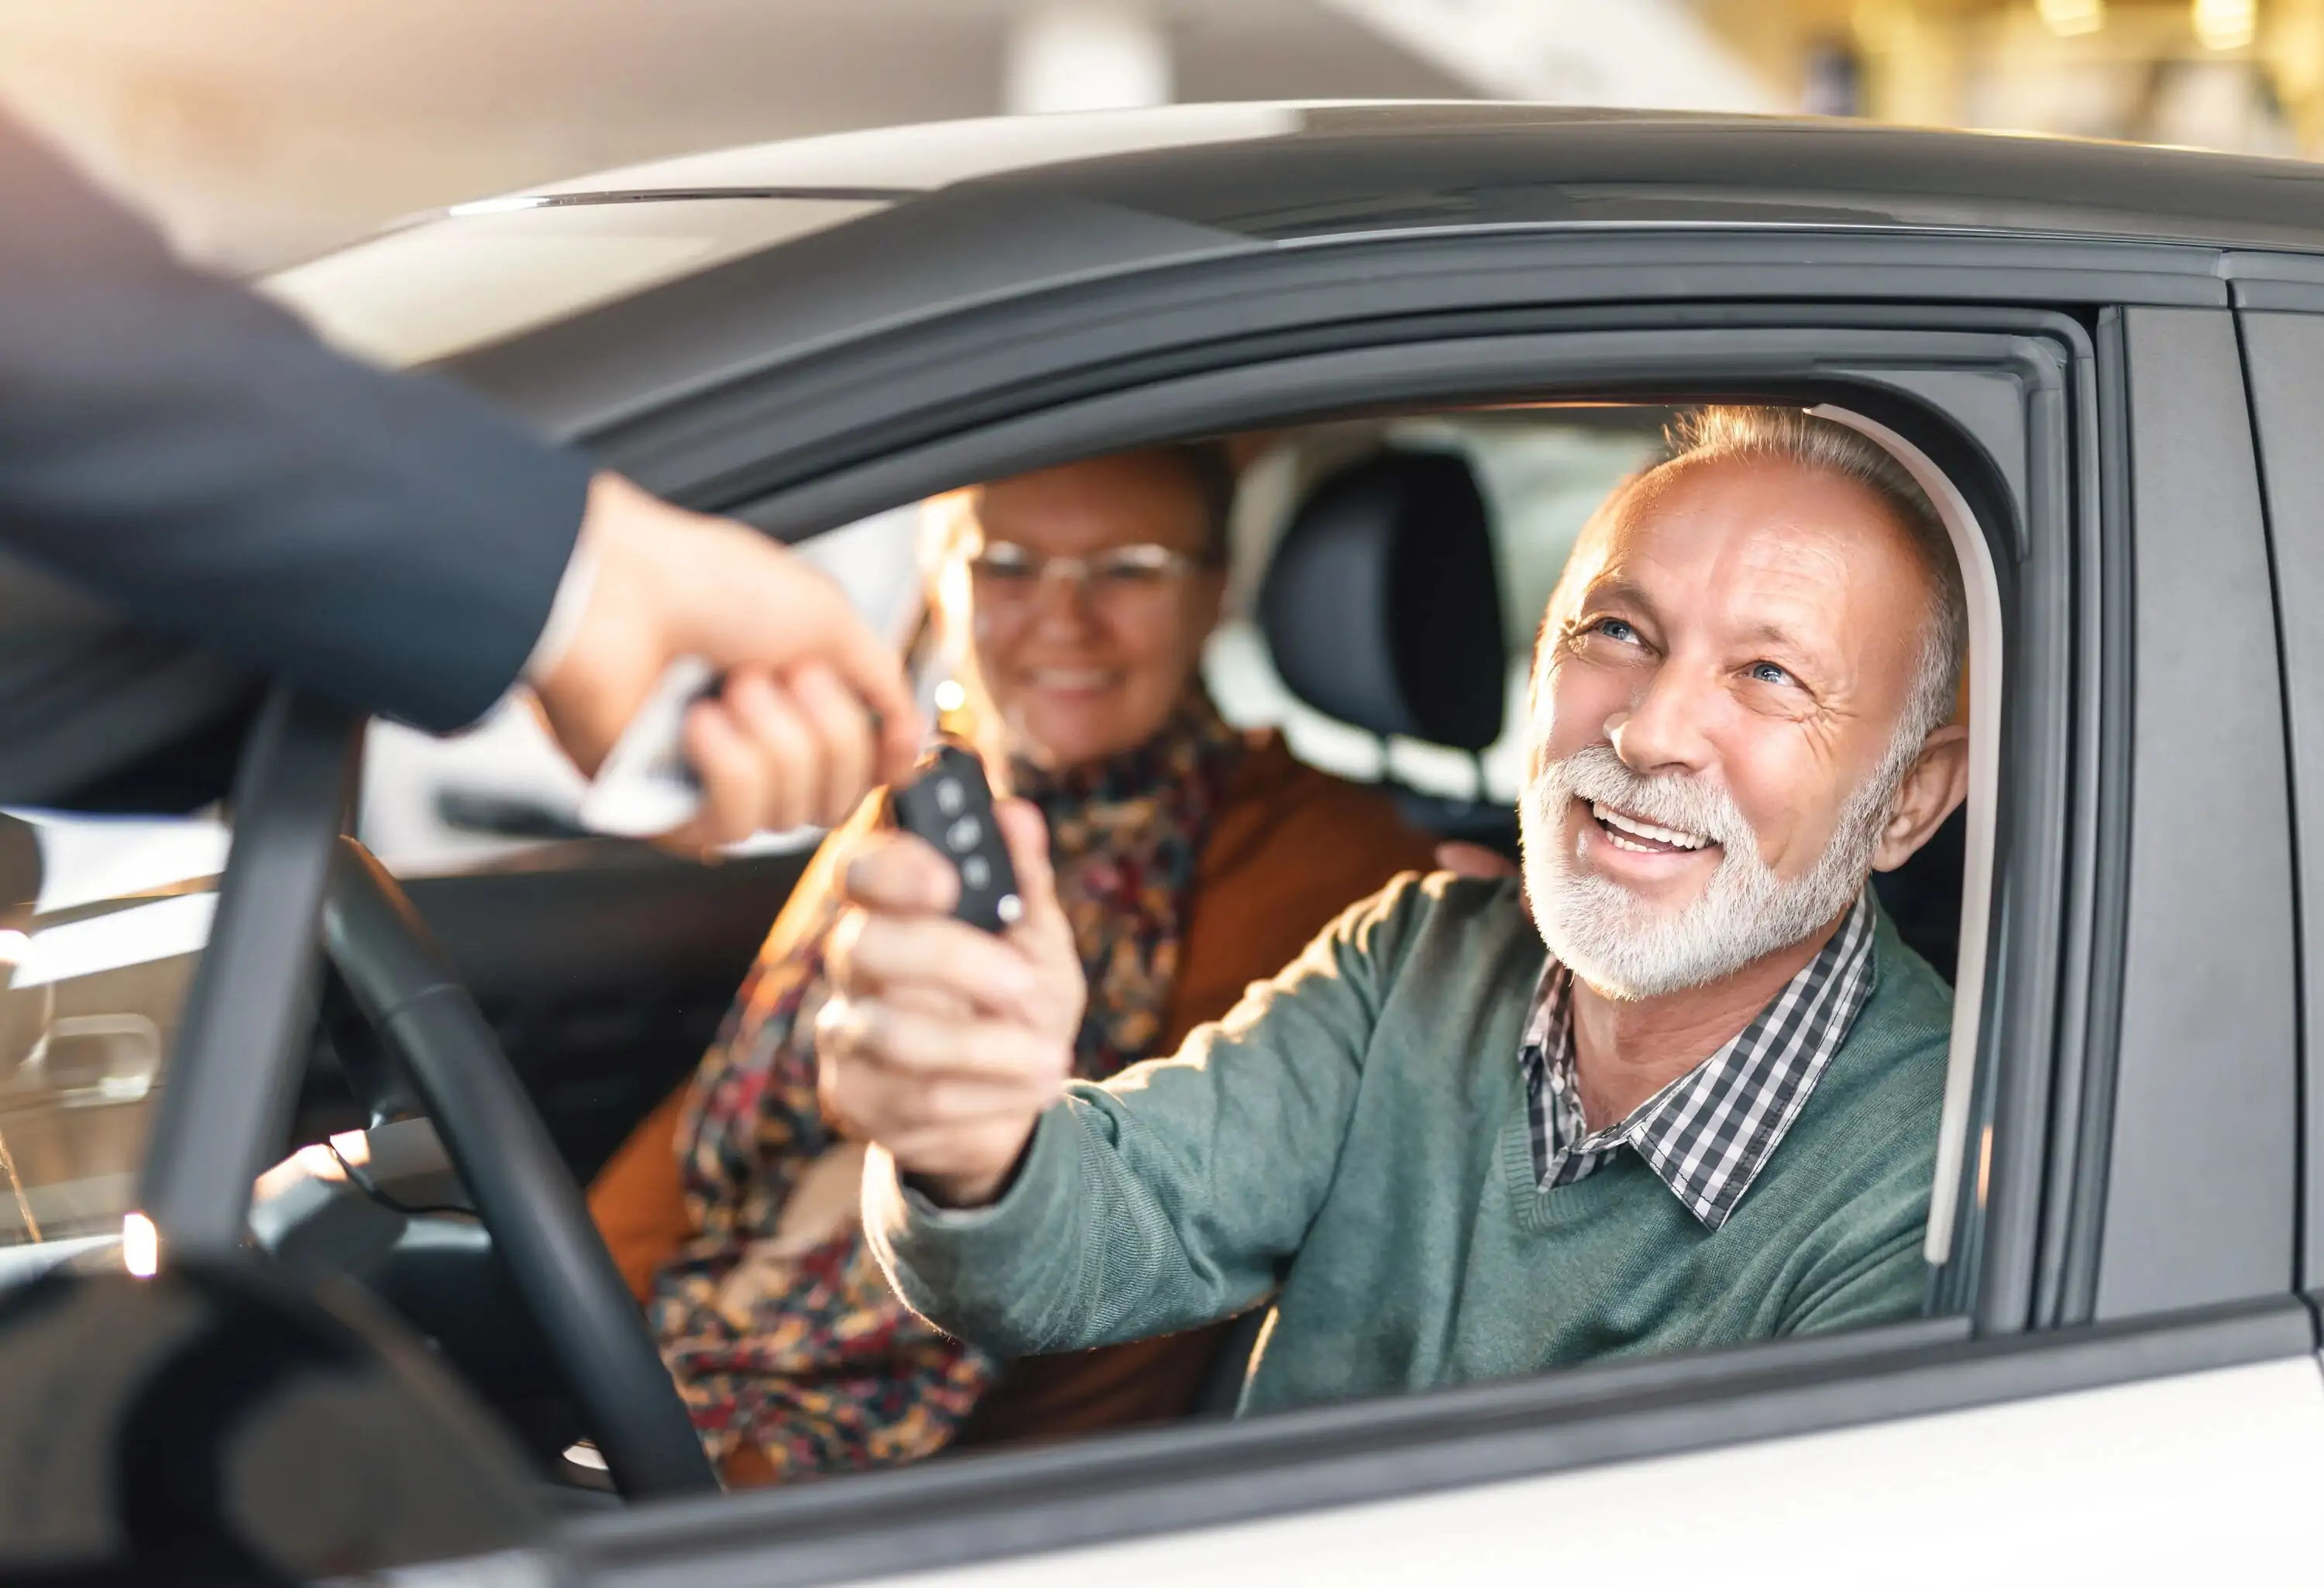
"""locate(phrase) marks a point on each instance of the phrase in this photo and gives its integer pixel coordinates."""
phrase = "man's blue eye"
(1768, 672)
(1614, 628)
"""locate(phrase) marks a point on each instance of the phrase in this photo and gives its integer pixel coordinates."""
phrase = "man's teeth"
(1616, 823)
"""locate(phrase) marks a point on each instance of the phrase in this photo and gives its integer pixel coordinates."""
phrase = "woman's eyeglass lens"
(1006, 570)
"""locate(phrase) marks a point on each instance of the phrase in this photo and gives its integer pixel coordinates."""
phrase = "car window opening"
(1332, 663)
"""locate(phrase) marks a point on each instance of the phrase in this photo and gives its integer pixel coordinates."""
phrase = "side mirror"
(195, 1426)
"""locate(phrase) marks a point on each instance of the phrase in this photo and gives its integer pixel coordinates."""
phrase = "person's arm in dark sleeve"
(196, 458)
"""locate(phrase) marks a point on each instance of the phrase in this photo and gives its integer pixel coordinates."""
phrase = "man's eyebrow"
(1615, 586)
(1772, 632)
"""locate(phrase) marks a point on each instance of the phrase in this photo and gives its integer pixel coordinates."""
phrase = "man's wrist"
(967, 1193)
(621, 640)
(567, 606)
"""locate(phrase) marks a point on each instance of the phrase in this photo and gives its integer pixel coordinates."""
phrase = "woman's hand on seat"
(942, 1043)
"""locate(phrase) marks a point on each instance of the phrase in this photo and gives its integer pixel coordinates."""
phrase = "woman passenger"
(1193, 859)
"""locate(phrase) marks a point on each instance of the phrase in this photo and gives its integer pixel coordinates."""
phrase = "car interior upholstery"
(1382, 609)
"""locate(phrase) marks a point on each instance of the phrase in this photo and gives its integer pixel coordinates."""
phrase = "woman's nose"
(1064, 597)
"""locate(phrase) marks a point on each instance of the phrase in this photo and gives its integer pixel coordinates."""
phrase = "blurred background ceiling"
(263, 130)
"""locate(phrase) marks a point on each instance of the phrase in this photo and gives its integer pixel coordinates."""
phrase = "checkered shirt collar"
(1707, 1134)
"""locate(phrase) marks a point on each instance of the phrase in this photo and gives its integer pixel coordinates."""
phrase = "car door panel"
(2179, 362)
(2045, 1486)
(2195, 1425)
(2283, 353)
(606, 968)
(2207, 1023)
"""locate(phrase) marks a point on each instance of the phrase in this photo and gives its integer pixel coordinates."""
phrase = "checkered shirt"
(1709, 1133)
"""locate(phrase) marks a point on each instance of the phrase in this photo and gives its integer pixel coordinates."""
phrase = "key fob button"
(948, 805)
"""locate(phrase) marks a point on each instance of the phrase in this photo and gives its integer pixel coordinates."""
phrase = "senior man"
(1692, 1099)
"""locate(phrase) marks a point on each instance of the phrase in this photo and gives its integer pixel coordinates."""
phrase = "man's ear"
(1936, 783)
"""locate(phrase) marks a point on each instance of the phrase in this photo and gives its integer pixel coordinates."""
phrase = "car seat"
(1381, 608)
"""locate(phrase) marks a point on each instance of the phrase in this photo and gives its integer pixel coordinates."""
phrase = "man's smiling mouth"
(1641, 836)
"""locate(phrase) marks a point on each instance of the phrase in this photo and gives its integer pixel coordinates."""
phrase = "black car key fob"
(949, 804)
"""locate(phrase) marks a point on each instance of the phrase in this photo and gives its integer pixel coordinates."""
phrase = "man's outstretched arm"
(197, 460)
(196, 457)
(1028, 1214)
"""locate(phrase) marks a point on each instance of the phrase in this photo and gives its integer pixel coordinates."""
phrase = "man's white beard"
(1629, 948)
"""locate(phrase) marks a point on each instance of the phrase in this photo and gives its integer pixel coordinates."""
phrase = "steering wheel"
(535, 1215)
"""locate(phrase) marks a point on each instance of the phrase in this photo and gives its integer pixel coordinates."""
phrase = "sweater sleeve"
(1172, 1194)
(1887, 1284)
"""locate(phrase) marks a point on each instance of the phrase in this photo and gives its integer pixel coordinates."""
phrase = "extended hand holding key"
(813, 709)
(942, 1044)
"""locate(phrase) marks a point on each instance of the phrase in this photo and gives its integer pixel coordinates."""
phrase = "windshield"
(102, 922)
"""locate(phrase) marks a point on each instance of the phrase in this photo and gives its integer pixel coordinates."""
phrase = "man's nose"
(1665, 726)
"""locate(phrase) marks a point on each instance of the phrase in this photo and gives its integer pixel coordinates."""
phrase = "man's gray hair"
(1794, 435)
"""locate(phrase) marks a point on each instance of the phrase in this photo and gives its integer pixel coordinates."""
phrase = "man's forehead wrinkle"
(1718, 534)
(1742, 532)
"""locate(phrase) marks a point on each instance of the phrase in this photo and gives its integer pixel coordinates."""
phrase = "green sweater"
(1351, 1138)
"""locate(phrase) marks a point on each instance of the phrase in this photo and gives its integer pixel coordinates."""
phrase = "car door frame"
(810, 1535)
(2279, 302)
(2038, 1167)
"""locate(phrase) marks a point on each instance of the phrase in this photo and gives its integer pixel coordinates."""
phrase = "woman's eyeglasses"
(1004, 571)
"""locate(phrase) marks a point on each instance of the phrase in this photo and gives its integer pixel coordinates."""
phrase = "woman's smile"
(1073, 681)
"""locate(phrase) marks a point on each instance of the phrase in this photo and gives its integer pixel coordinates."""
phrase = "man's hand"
(940, 1042)
(792, 740)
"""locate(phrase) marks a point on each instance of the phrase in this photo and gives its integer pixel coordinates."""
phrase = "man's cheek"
(1570, 711)
(1790, 822)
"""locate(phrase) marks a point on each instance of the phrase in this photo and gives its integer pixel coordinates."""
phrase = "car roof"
(812, 241)
(1286, 170)
(588, 302)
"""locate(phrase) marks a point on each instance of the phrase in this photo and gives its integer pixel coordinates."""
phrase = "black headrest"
(1382, 607)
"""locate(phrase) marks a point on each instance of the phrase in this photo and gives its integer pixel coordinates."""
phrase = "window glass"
(105, 920)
